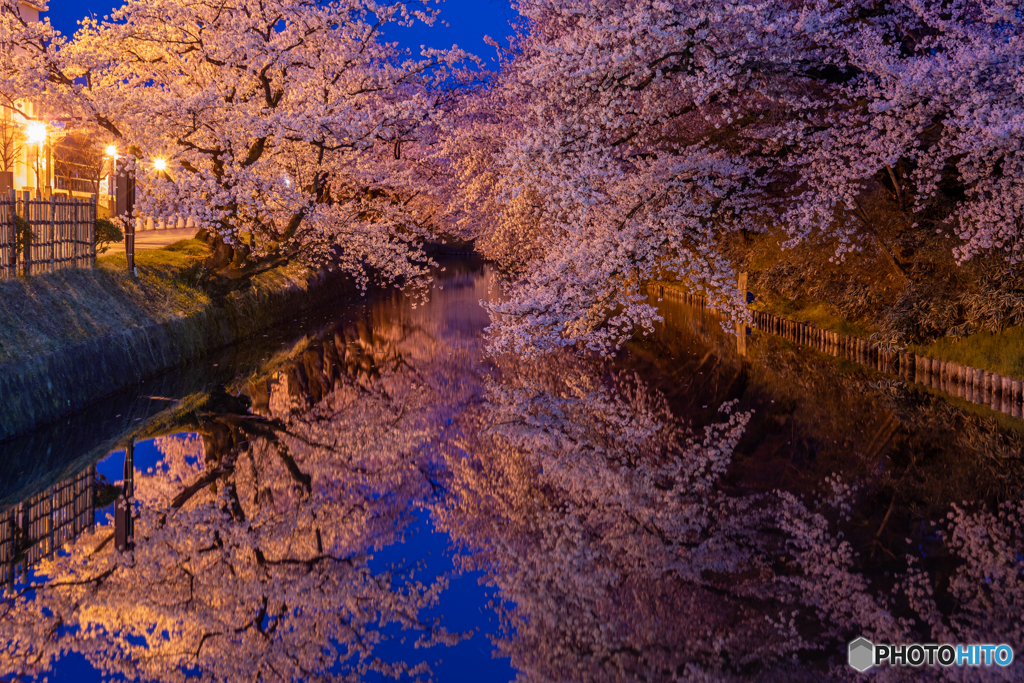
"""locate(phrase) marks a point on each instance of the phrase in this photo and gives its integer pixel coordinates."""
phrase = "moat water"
(364, 493)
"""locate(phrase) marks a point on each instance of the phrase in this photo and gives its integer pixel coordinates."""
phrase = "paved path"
(154, 239)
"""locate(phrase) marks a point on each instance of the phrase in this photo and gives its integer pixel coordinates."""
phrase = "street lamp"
(159, 164)
(111, 153)
(35, 133)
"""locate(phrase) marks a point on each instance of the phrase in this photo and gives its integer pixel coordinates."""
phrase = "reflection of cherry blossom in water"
(180, 464)
(252, 540)
(620, 544)
(622, 555)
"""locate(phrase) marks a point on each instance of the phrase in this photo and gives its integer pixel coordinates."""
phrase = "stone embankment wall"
(981, 387)
(38, 390)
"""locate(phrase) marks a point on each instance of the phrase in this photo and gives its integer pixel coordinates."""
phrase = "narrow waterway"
(364, 494)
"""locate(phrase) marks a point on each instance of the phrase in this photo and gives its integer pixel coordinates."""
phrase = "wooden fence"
(41, 525)
(62, 234)
(1001, 394)
(8, 240)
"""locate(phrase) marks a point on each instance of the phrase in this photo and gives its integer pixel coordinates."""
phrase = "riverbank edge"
(36, 391)
(974, 385)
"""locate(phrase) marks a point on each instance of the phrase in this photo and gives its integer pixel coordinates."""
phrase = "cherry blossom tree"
(290, 129)
(29, 56)
(925, 96)
(623, 141)
(252, 542)
(620, 159)
(621, 545)
(252, 570)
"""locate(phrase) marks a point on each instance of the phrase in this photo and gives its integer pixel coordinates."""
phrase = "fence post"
(72, 222)
(53, 233)
(90, 231)
(14, 237)
(82, 233)
(76, 229)
(26, 263)
(74, 217)
(12, 262)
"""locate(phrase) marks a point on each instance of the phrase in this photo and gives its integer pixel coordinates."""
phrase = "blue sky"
(470, 21)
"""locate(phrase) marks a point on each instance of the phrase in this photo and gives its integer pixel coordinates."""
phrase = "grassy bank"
(44, 313)
(71, 338)
(998, 352)
(1002, 353)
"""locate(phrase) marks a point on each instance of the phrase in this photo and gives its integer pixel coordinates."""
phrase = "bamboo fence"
(8, 240)
(1001, 394)
(62, 234)
(41, 525)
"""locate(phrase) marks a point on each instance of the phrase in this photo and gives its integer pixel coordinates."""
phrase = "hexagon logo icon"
(862, 654)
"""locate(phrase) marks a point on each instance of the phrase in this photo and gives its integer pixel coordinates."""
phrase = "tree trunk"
(896, 268)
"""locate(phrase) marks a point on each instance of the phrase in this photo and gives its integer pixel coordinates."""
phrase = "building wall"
(12, 124)
(30, 10)
(12, 137)
(30, 158)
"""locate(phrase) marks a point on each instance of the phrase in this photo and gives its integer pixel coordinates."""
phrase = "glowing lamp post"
(36, 134)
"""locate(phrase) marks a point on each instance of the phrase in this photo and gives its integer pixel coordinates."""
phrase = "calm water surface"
(363, 494)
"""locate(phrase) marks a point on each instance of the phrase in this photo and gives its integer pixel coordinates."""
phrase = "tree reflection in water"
(604, 522)
(619, 550)
(251, 562)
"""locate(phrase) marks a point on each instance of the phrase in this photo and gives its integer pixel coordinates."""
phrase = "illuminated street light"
(112, 151)
(159, 164)
(36, 133)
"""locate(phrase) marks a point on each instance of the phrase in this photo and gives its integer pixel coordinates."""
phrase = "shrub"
(107, 232)
(23, 234)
